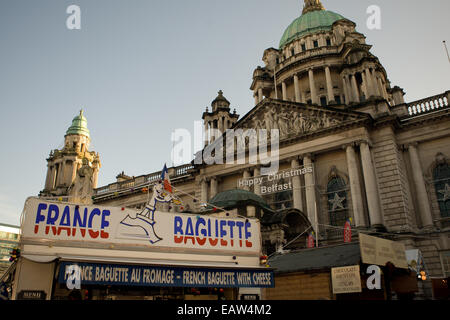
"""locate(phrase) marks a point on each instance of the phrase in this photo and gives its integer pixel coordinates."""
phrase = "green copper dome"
(236, 197)
(79, 126)
(308, 23)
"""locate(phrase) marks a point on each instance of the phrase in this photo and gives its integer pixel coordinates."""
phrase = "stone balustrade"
(430, 104)
(142, 181)
(307, 54)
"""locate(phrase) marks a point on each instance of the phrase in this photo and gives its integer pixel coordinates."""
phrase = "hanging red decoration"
(347, 231)
(310, 241)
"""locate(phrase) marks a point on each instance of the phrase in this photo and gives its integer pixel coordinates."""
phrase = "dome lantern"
(312, 5)
(79, 126)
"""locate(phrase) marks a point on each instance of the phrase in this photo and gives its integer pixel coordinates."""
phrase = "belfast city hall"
(350, 148)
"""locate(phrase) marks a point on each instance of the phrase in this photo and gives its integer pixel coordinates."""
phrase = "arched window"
(441, 179)
(337, 201)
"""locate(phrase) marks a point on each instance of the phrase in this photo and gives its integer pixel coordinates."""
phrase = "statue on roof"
(312, 5)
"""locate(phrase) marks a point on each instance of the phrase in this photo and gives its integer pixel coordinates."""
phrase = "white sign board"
(113, 225)
(380, 251)
(346, 279)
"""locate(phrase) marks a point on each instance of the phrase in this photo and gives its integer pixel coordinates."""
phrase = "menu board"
(380, 251)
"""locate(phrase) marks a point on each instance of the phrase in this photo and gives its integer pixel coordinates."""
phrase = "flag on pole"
(166, 180)
(348, 231)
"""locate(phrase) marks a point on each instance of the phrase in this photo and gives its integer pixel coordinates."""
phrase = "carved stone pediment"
(295, 119)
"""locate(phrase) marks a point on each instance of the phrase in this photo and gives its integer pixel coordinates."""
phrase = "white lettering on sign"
(275, 182)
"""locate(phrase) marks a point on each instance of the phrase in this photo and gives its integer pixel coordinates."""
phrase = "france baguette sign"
(113, 225)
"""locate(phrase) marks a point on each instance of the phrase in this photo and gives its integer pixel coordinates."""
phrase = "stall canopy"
(317, 259)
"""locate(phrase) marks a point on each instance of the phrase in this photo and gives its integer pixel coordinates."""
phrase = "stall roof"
(317, 258)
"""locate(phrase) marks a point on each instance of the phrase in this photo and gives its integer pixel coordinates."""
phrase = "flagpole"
(275, 80)
(317, 225)
(446, 50)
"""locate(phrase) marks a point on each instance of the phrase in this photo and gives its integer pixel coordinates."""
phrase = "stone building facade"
(375, 159)
(72, 172)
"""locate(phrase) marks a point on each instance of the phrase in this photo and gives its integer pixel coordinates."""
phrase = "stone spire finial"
(312, 5)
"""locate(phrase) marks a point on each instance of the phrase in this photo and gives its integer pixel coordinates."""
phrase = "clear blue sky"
(142, 68)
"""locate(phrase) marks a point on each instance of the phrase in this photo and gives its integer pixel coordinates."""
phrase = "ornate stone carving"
(291, 122)
(82, 188)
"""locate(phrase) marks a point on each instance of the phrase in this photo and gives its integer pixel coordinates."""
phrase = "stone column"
(370, 181)
(260, 95)
(355, 186)
(380, 88)
(355, 91)
(246, 176)
(376, 89)
(220, 124)
(48, 178)
(53, 181)
(302, 92)
(297, 89)
(206, 133)
(330, 92)
(344, 87)
(419, 184)
(297, 187)
(366, 85)
(255, 95)
(60, 173)
(310, 191)
(75, 169)
(312, 86)
(383, 87)
(349, 98)
(284, 91)
(257, 188)
(95, 177)
(214, 187)
(370, 85)
(204, 186)
(210, 131)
